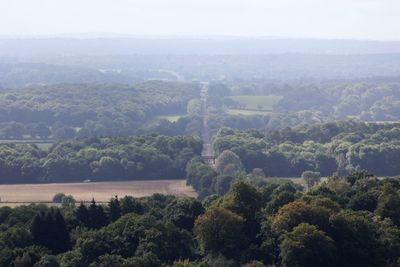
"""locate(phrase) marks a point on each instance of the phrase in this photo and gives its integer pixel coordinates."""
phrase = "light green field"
(245, 112)
(171, 118)
(44, 146)
(261, 103)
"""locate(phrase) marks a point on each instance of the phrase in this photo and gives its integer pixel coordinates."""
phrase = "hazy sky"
(360, 19)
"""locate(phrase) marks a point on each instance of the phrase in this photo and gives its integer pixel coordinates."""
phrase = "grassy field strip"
(101, 191)
(245, 112)
(171, 118)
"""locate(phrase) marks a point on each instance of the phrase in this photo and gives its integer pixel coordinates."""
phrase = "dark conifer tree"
(49, 230)
(36, 228)
(114, 209)
(82, 215)
(101, 217)
(97, 216)
(63, 242)
(92, 211)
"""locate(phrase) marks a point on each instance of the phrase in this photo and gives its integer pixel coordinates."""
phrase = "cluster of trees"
(306, 102)
(118, 158)
(218, 117)
(17, 130)
(349, 221)
(208, 180)
(325, 148)
(378, 101)
(152, 231)
(186, 125)
(268, 122)
(83, 110)
(368, 99)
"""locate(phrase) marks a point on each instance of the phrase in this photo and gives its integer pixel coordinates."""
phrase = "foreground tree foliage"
(334, 223)
(220, 231)
(307, 246)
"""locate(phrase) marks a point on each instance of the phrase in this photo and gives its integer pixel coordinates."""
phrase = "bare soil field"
(100, 191)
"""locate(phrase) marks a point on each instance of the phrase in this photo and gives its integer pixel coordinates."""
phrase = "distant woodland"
(69, 111)
(99, 159)
(84, 110)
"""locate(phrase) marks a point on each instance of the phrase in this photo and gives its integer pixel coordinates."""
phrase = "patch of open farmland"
(171, 118)
(100, 191)
(262, 103)
(245, 112)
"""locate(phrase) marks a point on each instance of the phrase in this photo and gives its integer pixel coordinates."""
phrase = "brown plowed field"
(100, 191)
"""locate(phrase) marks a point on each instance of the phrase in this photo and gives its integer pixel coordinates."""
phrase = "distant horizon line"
(110, 35)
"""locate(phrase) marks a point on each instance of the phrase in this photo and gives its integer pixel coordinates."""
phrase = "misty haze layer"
(352, 19)
(187, 46)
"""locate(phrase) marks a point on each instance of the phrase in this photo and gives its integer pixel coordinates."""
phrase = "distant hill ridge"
(96, 45)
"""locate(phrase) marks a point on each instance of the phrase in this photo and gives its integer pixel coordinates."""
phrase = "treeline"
(15, 74)
(344, 221)
(268, 122)
(40, 132)
(369, 99)
(304, 102)
(85, 110)
(118, 158)
(335, 147)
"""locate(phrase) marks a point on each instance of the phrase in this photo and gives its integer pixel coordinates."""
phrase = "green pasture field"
(245, 112)
(171, 118)
(44, 146)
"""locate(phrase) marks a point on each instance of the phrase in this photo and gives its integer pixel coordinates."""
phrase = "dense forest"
(333, 147)
(367, 100)
(296, 131)
(67, 111)
(344, 221)
(379, 101)
(99, 159)
(277, 105)
(83, 110)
